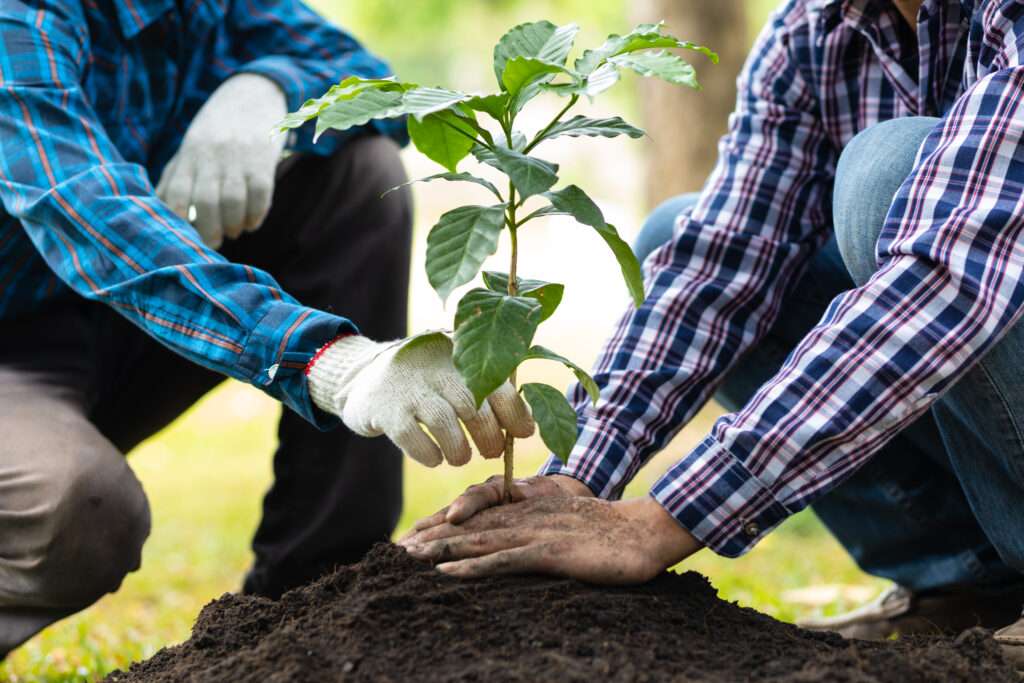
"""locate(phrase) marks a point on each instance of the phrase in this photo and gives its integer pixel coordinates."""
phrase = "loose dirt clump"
(391, 618)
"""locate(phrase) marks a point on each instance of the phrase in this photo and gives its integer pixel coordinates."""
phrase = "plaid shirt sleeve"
(305, 55)
(97, 223)
(950, 283)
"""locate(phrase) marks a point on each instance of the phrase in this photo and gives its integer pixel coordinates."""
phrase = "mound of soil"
(391, 618)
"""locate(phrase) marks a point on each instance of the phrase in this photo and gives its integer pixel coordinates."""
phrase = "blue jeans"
(943, 503)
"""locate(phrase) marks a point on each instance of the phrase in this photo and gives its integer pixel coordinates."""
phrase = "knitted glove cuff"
(334, 365)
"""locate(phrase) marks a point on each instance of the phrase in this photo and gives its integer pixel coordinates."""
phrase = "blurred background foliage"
(205, 475)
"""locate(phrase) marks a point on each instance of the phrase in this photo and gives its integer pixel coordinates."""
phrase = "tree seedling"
(495, 324)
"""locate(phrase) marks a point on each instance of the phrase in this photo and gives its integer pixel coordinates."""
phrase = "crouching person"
(122, 303)
(849, 283)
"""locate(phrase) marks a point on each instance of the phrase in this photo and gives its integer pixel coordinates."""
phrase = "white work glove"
(226, 163)
(376, 390)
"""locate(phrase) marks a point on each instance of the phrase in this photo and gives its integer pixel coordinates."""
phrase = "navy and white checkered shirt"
(95, 97)
(949, 282)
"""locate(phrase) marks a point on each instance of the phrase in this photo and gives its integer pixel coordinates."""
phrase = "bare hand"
(571, 536)
(492, 492)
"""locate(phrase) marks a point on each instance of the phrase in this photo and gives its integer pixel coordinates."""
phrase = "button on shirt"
(95, 97)
(949, 282)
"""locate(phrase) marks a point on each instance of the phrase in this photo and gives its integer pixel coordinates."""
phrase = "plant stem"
(513, 290)
(540, 136)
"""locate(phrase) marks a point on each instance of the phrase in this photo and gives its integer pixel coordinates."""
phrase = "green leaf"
(549, 294)
(347, 89)
(492, 105)
(581, 125)
(493, 333)
(663, 65)
(643, 37)
(421, 339)
(360, 109)
(575, 202)
(529, 174)
(554, 416)
(459, 244)
(521, 72)
(584, 378)
(451, 177)
(437, 136)
(422, 101)
(606, 76)
(540, 40)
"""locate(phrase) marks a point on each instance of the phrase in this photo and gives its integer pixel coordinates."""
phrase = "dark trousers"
(80, 387)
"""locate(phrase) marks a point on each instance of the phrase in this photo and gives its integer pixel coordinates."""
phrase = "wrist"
(669, 542)
(333, 366)
(571, 485)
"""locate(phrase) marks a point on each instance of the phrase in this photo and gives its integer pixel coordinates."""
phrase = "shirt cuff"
(715, 497)
(602, 458)
(280, 347)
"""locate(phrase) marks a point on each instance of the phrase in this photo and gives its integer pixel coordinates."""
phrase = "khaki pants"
(80, 387)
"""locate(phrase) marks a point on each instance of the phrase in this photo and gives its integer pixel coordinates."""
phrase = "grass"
(205, 476)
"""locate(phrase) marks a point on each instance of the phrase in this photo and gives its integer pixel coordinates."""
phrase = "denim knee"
(871, 169)
(657, 229)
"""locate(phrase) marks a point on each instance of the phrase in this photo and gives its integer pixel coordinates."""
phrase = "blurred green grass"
(205, 476)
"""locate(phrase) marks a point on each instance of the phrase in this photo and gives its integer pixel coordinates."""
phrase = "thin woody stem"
(513, 290)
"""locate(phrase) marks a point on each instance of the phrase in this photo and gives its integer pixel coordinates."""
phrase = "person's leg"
(979, 418)
(657, 229)
(334, 243)
(73, 517)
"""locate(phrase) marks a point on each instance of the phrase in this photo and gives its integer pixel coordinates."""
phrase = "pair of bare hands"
(555, 526)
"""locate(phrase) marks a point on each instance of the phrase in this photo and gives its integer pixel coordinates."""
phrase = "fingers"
(257, 207)
(470, 545)
(425, 523)
(475, 499)
(232, 206)
(416, 444)
(440, 419)
(511, 411)
(176, 187)
(482, 424)
(206, 197)
(530, 559)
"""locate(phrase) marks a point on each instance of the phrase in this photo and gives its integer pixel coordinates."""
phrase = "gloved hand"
(226, 163)
(384, 389)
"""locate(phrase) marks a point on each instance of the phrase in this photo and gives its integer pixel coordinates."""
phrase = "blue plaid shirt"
(95, 97)
(950, 279)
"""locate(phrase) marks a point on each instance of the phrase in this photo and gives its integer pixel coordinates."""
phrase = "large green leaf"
(555, 418)
(643, 37)
(347, 89)
(422, 101)
(493, 333)
(575, 202)
(584, 378)
(439, 138)
(540, 40)
(549, 294)
(451, 177)
(663, 65)
(363, 107)
(529, 174)
(521, 72)
(492, 105)
(459, 244)
(581, 125)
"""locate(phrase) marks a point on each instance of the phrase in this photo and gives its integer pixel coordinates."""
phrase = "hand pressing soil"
(391, 618)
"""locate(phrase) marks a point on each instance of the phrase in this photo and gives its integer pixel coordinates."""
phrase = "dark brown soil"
(392, 618)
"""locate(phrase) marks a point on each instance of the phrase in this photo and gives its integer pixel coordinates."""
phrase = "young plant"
(495, 324)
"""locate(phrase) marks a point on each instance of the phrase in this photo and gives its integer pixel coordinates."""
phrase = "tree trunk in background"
(684, 125)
